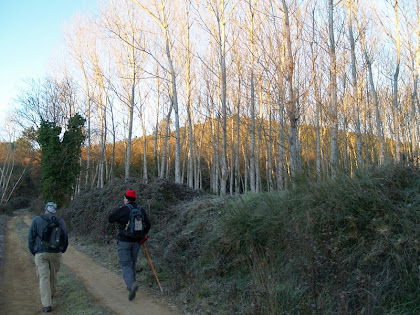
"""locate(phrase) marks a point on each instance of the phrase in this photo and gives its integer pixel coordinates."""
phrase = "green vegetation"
(60, 159)
(74, 298)
(343, 246)
(347, 246)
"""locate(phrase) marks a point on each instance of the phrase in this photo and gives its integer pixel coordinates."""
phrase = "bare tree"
(218, 9)
(45, 99)
(291, 99)
(161, 18)
(333, 90)
(413, 23)
(188, 88)
(317, 96)
(350, 11)
(252, 134)
(123, 25)
(395, 103)
(78, 40)
(395, 107)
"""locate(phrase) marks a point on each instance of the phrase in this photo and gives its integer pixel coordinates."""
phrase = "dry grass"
(343, 246)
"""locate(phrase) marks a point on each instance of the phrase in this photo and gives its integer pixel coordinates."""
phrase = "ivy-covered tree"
(60, 158)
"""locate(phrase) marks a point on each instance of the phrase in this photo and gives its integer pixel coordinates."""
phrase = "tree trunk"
(395, 107)
(222, 41)
(156, 164)
(374, 96)
(356, 106)
(111, 170)
(413, 123)
(291, 102)
(333, 91)
(130, 128)
(174, 97)
(281, 176)
(317, 102)
(165, 143)
(238, 124)
(191, 140)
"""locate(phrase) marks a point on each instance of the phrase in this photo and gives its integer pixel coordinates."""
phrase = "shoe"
(132, 293)
(47, 309)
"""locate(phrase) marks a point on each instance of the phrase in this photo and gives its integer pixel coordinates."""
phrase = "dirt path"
(21, 293)
(20, 287)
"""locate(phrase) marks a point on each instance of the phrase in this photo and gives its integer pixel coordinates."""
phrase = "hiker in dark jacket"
(128, 248)
(47, 261)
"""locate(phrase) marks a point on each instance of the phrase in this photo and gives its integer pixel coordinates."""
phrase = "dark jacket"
(121, 216)
(35, 233)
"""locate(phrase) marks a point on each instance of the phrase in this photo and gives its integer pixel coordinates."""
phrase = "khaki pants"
(47, 266)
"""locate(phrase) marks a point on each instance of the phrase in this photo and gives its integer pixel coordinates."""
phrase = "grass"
(72, 296)
(75, 299)
(342, 246)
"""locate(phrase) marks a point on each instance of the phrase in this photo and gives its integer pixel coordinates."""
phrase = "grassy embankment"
(343, 246)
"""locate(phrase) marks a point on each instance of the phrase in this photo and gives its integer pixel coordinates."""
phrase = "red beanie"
(130, 194)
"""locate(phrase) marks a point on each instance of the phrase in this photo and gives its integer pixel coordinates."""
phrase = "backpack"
(135, 226)
(53, 237)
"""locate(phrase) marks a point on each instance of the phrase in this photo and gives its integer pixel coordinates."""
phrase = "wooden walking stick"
(151, 265)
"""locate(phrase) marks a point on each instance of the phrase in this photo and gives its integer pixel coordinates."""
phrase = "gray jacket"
(35, 233)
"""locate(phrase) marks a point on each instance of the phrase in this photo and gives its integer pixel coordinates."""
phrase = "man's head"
(50, 207)
(130, 195)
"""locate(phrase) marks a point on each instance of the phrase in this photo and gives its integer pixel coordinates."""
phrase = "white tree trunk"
(333, 91)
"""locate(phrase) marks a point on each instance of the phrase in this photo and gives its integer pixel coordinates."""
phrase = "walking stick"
(151, 265)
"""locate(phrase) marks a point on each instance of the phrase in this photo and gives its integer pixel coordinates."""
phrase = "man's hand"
(144, 239)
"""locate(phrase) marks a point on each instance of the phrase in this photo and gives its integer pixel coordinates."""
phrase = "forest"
(227, 96)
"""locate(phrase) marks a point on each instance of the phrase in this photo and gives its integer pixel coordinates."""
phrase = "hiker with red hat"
(133, 227)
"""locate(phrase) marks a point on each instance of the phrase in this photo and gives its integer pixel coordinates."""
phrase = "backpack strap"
(53, 218)
(130, 206)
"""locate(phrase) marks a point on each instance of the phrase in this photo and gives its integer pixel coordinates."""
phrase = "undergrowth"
(347, 245)
(343, 246)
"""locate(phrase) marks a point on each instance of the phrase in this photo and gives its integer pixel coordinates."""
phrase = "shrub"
(19, 203)
(348, 245)
(6, 209)
(37, 205)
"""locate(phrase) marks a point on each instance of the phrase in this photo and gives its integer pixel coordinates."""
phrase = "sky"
(31, 35)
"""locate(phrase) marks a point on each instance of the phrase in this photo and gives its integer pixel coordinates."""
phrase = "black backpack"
(53, 237)
(135, 226)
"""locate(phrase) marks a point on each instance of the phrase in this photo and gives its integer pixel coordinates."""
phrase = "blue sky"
(31, 33)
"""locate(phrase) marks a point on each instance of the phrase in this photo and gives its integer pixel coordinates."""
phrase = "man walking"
(47, 256)
(128, 245)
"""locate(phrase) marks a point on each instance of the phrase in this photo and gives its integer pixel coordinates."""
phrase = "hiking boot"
(47, 309)
(132, 293)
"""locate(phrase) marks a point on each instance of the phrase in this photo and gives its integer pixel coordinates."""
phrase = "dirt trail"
(21, 293)
(20, 286)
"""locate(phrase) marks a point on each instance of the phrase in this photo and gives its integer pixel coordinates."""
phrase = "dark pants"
(127, 257)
